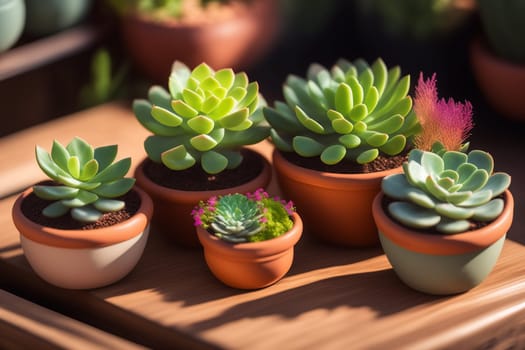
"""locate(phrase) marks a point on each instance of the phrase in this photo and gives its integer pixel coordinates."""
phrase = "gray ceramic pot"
(12, 19)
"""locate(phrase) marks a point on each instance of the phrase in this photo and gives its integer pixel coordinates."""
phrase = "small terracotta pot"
(251, 265)
(173, 207)
(84, 259)
(235, 42)
(337, 208)
(502, 82)
(442, 264)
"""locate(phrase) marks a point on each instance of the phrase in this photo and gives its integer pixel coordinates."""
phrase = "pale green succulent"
(352, 112)
(206, 117)
(446, 190)
(236, 218)
(88, 180)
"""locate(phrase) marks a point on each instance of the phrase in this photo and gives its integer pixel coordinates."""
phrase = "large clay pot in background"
(50, 16)
(84, 259)
(442, 264)
(173, 206)
(501, 81)
(235, 42)
(251, 265)
(12, 19)
(337, 208)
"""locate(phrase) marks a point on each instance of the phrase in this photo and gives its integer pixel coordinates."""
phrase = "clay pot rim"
(328, 179)
(250, 249)
(79, 239)
(193, 197)
(460, 243)
(480, 49)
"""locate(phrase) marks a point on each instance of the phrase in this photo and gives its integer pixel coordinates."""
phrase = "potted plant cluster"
(200, 128)
(248, 239)
(87, 226)
(12, 21)
(338, 134)
(443, 221)
(222, 33)
(498, 56)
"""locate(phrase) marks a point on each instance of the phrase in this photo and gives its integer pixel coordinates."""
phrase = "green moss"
(278, 221)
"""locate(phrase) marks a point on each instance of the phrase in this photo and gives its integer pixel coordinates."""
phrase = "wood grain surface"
(332, 298)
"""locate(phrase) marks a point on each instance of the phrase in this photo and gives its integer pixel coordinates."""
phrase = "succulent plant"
(87, 180)
(205, 117)
(247, 217)
(446, 191)
(352, 112)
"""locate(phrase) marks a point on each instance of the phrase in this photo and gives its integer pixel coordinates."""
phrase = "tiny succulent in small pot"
(110, 223)
(248, 239)
(203, 122)
(353, 114)
(451, 202)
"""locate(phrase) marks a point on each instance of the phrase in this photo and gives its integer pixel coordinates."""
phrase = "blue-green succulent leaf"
(413, 216)
(482, 160)
(55, 210)
(497, 183)
(55, 192)
(85, 214)
(489, 211)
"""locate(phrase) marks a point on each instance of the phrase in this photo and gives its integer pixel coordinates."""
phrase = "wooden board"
(332, 298)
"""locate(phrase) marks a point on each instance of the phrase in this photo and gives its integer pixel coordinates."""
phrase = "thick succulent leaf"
(316, 94)
(108, 205)
(396, 186)
(324, 80)
(489, 211)
(477, 180)
(213, 162)
(449, 227)
(115, 188)
(394, 100)
(357, 90)
(220, 92)
(451, 174)
(105, 155)
(414, 216)
(203, 142)
(177, 158)
(421, 198)
(281, 143)
(55, 210)
(394, 145)
(445, 182)
(306, 146)
(89, 170)
(244, 125)
(458, 198)
(367, 156)
(416, 174)
(454, 159)
(233, 119)
(237, 93)
(82, 198)
(241, 80)
(158, 96)
(55, 192)
(210, 84)
(482, 160)
(376, 139)
(342, 126)
(332, 115)
(192, 98)
(371, 99)
(210, 104)
(380, 75)
(344, 99)
(183, 109)
(402, 107)
(72, 182)
(415, 155)
(73, 166)
(223, 108)
(333, 154)
(281, 120)
(477, 199)
(251, 136)
(454, 212)
(350, 140)
(155, 145)
(366, 78)
(114, 171)
(497, 183)
(201, 124)
(435, 189)
(465, 171)
(85, 214)
(309, 123)
(80, 148)
(60, 155)
(234, 158)
(202, 71)
(358, 113)
(432, 163)
(225, 77)
(252, 91)
(142, 110)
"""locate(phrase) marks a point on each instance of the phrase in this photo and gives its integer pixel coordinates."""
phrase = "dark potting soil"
(32, 207)
(196, 179)
(379, 164)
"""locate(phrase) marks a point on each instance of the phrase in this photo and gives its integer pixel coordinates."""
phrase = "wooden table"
(332, 298)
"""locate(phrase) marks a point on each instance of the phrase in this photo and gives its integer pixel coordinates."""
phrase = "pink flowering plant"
(249, 217)
(443, 188)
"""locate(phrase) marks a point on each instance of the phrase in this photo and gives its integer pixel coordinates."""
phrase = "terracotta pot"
(12, 20)
(442, 264)
(235, 42)
(84, 259)
(337, 208)
(501, 81)
(251, 265)
(173, 207)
